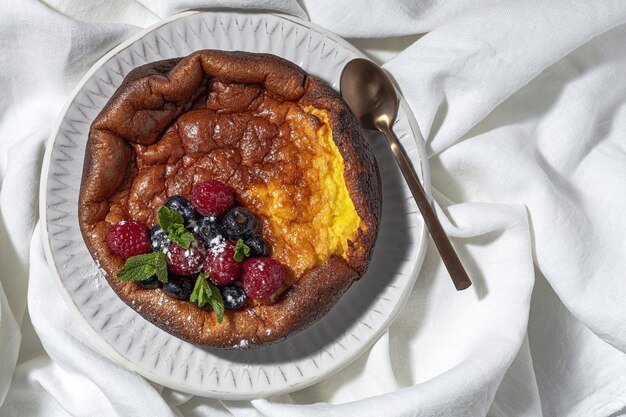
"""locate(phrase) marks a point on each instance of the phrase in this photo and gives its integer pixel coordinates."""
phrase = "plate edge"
(108, 350)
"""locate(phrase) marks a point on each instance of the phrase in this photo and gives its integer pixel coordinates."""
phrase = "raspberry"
(183, 261)
(129, 238)
(212, 198)
(221, 263)
(262, 276)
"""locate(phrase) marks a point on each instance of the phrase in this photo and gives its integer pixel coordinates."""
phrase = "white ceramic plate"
(360, 317)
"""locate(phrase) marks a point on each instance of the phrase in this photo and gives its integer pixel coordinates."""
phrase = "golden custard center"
(313, 221)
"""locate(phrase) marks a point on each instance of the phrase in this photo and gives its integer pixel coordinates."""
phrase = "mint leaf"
(174, 225)
(142, 267)
(160, 266)
(177, 233)
(217, 303)
(206, 293)
(241, 251)
(168, 217)
(201, 291)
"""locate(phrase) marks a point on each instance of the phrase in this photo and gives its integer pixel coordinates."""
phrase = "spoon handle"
(448, 254)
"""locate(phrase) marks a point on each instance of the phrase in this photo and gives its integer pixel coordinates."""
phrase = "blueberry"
(179, 287)
(234, 297)
(150, 283)
(183, 206)
(257, 246)
(239, 223)
(158, 239)
(208, 228)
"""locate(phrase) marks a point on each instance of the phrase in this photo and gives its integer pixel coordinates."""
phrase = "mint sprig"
(242, 251)
(174, 225)
(142, 267)
(205, 292)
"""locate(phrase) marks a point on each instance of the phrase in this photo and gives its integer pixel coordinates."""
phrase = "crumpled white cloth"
(523, 108)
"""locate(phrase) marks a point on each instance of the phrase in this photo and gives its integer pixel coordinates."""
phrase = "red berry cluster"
(258, 276)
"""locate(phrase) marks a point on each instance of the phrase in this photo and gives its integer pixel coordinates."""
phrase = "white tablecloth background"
(523, 107)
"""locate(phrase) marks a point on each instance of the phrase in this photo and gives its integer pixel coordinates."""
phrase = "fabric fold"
(522, 105)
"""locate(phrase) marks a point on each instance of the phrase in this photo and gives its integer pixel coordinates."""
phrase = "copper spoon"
(373, 99)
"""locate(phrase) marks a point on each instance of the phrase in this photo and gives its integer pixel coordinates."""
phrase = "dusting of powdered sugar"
(95, 279)
(217, 245)
(242, 344)
(100, 269)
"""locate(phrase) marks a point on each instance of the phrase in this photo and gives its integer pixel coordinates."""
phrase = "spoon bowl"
(372, 97)
(369, 93)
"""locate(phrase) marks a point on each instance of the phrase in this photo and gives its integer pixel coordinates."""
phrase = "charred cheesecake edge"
(106, 167)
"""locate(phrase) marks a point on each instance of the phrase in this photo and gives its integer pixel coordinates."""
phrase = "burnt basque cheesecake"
(230, 198)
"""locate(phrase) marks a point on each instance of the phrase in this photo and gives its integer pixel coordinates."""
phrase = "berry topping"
(239, 223)
(221, 263)
(129, 238)
(183, 207)
(179, 287)
(183, 261)
(234, 297)
(262, 276)
(212, 198)
(150, 283)
(207, 228)
(257, 246)
(158, 239)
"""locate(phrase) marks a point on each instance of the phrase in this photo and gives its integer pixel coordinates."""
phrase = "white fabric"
(523, 107)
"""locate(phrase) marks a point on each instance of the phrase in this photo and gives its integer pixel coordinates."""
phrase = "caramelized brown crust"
(147, 103)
